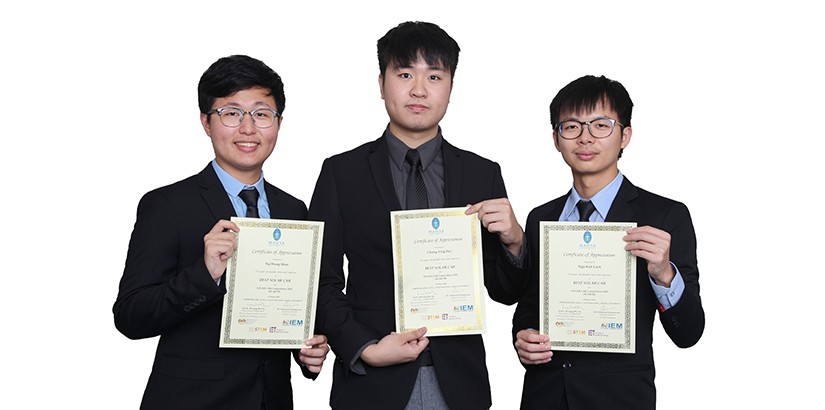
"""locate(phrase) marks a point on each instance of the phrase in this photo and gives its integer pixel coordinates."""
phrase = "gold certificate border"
(628, 345)
(229, 298)
(475, 227)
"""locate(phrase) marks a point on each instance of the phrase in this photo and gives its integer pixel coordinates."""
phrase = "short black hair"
(231, 74)
(585, 93)
(403, 45)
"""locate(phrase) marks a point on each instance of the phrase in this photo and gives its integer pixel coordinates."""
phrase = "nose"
(419, 89)
(586, 137)
(247, 126)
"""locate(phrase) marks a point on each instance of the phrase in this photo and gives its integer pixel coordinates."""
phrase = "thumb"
(414, 334)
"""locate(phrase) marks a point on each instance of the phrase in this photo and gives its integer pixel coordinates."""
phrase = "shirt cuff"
(357, 365)
(517, 261)
(669, 297)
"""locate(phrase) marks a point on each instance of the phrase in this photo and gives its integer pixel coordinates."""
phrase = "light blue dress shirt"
(233, 187)
(668, 297)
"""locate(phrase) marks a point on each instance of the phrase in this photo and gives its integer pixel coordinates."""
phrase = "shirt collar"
(232, 186)
(398, 150)
(602, 200)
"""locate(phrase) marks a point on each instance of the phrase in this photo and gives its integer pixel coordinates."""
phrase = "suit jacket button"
(566, 365)
(675, 321)
(202, 299)
(187, 308)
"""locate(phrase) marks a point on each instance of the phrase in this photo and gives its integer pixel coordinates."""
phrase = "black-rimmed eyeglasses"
(599, 128)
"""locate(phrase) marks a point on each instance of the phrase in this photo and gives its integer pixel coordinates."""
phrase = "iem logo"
(587, 237)
(276, 234)
(436, 223)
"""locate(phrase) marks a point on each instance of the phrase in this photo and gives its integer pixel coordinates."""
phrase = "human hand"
(533, 348)
(218, 246)
(497, 216)
(396, 348)
(313, 357)
(652, 245)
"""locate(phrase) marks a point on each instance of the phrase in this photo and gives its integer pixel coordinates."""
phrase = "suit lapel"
(453, 174)
(273, 199)
(379, 162)
(622, 209)
(214, 194)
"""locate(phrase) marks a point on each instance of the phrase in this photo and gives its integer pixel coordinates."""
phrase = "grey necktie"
(416, 190)
(250, 198)
(586, 209)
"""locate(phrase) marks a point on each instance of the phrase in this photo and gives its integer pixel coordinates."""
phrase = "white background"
(99, 106)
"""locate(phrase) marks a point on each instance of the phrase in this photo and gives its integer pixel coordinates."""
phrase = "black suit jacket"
(354, 196)
(615, 380)
(166, 290)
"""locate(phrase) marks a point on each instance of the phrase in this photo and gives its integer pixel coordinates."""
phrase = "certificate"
(271, 284)
(438, 271)
(587, 287)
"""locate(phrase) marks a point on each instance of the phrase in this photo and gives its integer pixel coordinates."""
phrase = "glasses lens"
(263, 118)
(601, 128)
(570, 129)
(231, 117)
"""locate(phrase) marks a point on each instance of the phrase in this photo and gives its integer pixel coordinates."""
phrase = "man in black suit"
(591, 127)
(173, 284)
(356, 191)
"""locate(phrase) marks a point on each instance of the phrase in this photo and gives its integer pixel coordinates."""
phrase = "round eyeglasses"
(599, 128)
(233, 117)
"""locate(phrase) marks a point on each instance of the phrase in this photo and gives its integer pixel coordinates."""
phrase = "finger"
(314, 360)
(529, 347)
(316, 340)
(224, 225)
(422, 344)
(319, 352)
(536, 359)
(532, 336)
(471, 209)
(413, 334)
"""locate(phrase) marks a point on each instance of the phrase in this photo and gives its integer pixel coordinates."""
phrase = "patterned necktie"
(586, 209)
(250, 198)
(416, 190)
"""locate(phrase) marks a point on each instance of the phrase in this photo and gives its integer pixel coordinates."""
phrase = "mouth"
(246, 145)
(417, 107)
(586, 156)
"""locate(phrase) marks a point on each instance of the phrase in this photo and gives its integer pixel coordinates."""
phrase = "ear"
(556, 141)
(627, 132)
(381, 85)
(205, 124)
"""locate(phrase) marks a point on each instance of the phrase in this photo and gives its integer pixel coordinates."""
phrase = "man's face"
(416, 98)
(593, 157)
(242, 150)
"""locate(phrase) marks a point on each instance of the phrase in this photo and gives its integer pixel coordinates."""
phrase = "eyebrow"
(429, 67)
(579, 119)
(234, 104)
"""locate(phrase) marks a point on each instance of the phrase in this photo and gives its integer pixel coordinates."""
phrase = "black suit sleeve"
(335, 314)
(684, 323)
(526, 315)
(155, 292)
(504, 281)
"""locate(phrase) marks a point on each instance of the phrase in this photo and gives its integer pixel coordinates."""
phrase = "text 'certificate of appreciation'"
(271, 284)
(438, 271)
(587, 286)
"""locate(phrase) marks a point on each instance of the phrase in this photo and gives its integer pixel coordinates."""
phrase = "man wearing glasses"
(173, 284)
(591, 127)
